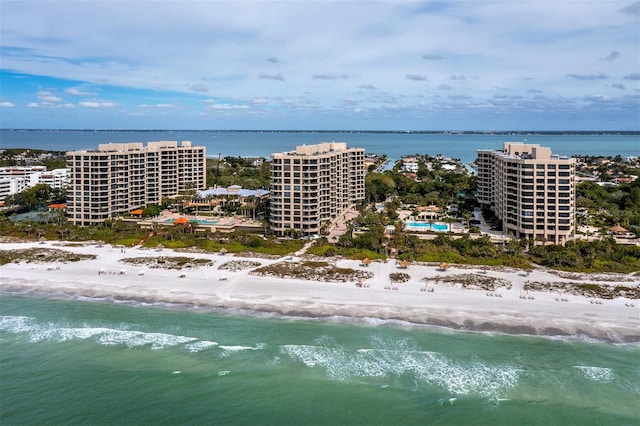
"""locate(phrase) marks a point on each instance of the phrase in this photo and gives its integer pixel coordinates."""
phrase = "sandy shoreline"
(543, 313)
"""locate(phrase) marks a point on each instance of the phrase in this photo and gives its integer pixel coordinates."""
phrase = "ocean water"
(263, 144)
(79, 362)
(95, 362)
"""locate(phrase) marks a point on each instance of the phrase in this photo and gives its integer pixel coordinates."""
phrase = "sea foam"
(200, 345)
(596, 374)
(457, 377)
(38, 331)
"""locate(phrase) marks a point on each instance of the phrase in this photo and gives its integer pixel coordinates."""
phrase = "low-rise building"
(247, 202)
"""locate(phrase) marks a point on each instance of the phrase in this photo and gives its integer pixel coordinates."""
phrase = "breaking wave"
(457, 377)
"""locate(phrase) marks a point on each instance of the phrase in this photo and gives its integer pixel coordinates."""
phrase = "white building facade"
(18, 178)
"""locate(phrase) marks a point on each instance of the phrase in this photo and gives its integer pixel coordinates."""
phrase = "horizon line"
(321, 130)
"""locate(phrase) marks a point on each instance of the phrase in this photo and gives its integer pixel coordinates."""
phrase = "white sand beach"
(506, 310)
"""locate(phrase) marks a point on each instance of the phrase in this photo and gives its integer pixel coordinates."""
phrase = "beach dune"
(507, 310)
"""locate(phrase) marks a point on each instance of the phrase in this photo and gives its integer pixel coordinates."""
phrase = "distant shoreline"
(425, 132)
(392, 143)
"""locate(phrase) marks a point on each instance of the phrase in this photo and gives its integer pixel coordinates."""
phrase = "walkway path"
(339, 226)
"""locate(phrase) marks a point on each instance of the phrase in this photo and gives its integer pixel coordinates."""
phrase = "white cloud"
(74, 91)
(227, 107)
(97, 104)
(150, 107)
(7, 104)
(48, 100)
(255, 52)
(48, 97)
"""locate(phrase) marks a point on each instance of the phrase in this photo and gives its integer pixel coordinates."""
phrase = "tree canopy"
(37, 196)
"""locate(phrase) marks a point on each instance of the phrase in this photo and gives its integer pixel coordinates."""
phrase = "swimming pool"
(424, 226)
(198, 221)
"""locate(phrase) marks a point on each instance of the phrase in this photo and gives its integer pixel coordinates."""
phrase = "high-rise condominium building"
(120, 177)
(530, 190)
(313, 185)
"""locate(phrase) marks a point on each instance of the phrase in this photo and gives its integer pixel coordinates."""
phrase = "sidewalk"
(496, 236)
(339, 225)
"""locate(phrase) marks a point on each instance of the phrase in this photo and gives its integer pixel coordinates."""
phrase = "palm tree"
(467, 217)
(449, 220)
(63, 232)
(40, 232)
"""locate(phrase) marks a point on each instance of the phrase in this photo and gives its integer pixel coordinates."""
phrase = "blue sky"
(370, 65)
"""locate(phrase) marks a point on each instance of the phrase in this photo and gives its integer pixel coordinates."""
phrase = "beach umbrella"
(141, 272)
(223, 250)
(405, 264)
(181, 221)
(617, 229)
(366, 262)
(444, 266)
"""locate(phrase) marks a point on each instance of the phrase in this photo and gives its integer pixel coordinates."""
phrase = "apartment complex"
(314, 185)
(120, 177)
(530, 190)
(16, 179)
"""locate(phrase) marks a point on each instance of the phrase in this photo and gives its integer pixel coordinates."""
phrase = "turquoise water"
(428, 226)
(86, 362)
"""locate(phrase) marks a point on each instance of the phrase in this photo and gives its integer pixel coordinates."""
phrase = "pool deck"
(435, 226)
(224, 224)
(455, 228)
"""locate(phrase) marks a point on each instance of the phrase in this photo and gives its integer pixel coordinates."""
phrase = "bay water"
(393, 144)
(79, 362)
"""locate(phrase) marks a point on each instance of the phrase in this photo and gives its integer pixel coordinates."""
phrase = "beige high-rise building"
(314, 185)
(531, 190)
(120, 177)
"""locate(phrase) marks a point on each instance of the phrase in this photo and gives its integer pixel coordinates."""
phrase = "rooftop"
(233, 190)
